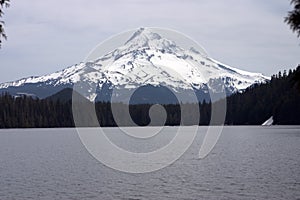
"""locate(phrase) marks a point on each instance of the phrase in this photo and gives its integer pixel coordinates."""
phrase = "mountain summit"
(146, 60)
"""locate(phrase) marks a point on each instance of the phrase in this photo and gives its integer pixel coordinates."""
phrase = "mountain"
(252, 107)
(146, 61)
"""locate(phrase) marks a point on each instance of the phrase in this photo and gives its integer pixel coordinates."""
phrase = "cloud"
(45, 36)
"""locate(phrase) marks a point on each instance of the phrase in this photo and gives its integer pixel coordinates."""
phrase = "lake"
(246, 163)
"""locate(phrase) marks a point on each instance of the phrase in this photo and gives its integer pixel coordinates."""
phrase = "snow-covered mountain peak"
(147, 58)
(145, 38)
(143, 35)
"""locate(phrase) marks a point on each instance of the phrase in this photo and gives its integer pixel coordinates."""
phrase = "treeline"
(279, 97)
(28, 112)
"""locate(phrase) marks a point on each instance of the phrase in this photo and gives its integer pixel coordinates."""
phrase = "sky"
(47, 36)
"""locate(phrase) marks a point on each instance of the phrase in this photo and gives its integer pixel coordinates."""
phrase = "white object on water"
(269, 122)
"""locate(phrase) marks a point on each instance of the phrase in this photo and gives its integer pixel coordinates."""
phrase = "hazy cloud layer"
(44, 37)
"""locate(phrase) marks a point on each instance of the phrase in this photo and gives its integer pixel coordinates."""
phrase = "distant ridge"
(64, 95)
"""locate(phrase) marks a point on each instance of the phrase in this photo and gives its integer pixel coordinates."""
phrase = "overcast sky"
(46, 36)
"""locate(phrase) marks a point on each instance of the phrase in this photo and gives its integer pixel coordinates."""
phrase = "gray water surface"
(246, 163)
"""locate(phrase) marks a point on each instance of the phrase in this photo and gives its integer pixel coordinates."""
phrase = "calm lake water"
(246, 163)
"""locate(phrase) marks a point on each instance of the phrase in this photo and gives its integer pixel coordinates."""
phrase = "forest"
(278, 97)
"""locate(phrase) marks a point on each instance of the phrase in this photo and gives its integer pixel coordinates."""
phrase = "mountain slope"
(145, 59)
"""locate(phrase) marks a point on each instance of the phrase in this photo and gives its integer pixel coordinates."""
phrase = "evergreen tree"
(3, 3)
(293, 18)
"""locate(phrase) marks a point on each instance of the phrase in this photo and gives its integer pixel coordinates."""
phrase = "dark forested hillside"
(26, 111)
(280, 98)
